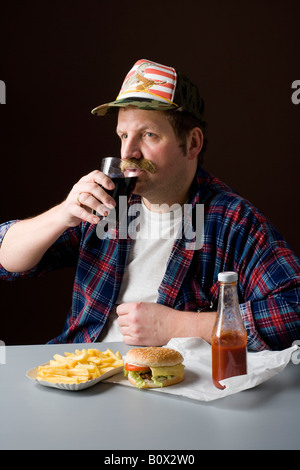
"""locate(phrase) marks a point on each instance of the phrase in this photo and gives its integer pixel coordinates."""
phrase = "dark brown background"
(60, 59)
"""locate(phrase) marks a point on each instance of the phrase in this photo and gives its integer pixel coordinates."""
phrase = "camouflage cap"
(153, 86)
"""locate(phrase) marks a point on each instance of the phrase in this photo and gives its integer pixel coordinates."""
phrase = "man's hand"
(86, 196)
(152, 324)
(146, 323)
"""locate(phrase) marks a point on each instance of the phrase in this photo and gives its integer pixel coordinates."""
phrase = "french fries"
(78, 367)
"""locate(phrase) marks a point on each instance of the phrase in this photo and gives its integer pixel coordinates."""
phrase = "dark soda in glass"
(124, 186)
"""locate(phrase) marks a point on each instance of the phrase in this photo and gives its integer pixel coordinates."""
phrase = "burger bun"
(154, 357)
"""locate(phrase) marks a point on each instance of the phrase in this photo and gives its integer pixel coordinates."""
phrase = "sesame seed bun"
(154, 357)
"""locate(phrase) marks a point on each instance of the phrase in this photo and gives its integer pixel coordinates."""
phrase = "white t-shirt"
(152, 240)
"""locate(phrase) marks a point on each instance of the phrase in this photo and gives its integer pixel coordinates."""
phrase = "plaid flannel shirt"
(237, 237)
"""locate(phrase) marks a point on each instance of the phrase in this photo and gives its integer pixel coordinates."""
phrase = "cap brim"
(112, 107)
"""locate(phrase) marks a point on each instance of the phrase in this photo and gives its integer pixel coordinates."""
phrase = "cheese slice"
(170, 370)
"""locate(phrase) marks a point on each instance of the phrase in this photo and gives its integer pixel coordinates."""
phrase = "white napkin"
(198, 385)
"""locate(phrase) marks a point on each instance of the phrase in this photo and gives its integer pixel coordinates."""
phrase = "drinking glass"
(124, 185)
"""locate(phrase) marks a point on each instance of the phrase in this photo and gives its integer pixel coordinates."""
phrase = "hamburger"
(153, 367)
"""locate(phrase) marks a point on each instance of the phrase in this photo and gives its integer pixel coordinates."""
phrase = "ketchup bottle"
(229, 336)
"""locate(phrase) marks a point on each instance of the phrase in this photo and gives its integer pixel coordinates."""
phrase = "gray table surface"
(113, 417)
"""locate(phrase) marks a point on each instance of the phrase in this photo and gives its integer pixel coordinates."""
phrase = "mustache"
(142, 164)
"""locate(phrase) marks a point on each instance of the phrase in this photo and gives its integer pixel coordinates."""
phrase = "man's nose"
(130, 149)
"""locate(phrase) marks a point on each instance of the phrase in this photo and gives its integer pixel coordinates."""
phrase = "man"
(148, 291)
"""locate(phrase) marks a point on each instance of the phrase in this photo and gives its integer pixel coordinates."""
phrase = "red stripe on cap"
(163, 94)
(160, 73)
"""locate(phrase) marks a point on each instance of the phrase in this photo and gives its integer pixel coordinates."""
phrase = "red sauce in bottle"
(229, 356)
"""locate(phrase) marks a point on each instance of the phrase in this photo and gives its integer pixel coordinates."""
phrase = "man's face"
(149, 135)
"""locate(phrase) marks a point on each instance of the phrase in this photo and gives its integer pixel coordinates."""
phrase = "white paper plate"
(32, 375)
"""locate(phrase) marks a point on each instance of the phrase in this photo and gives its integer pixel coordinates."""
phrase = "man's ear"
(194, 143)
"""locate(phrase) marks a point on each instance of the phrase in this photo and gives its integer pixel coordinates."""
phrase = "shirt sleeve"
(63, 253)
(269, 284)
(272, 310)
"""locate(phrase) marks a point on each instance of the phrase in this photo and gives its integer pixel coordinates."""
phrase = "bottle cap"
(227, 276)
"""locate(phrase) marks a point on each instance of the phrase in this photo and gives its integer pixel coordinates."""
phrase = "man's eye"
(124, 136)
(149, 134)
